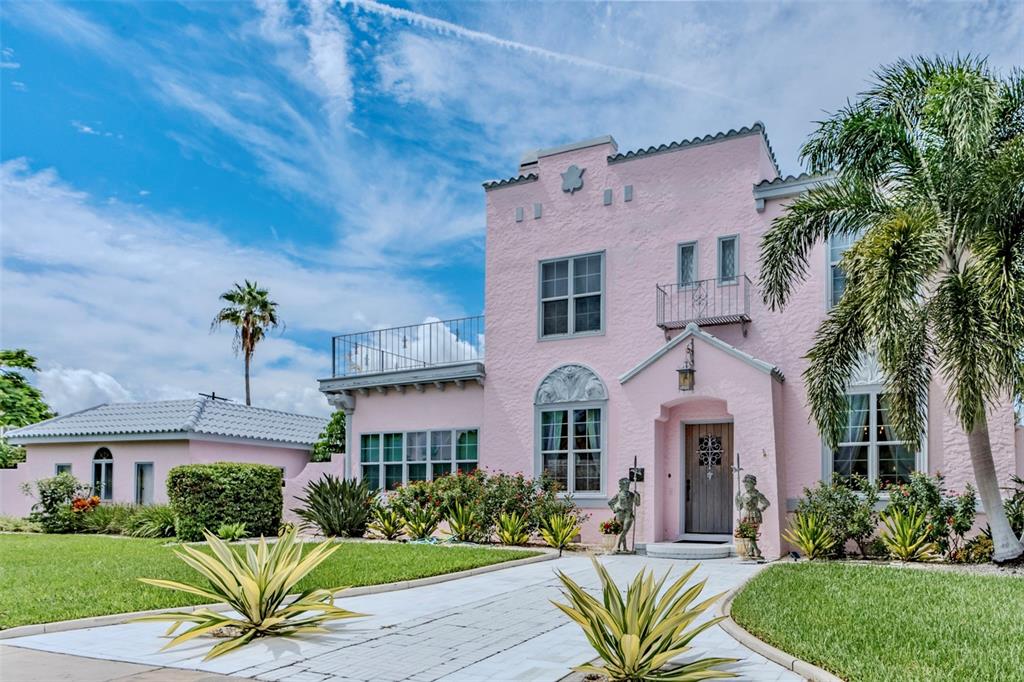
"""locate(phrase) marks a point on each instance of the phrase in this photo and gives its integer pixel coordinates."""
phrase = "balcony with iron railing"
(706, 302)
(447, 349)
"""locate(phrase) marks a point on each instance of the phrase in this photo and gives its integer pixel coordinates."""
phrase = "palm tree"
(252, 314)
(928, 165)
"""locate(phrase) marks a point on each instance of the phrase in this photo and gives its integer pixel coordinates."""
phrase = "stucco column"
(346, 402)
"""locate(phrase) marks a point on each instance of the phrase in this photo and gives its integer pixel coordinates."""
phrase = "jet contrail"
(448, 28)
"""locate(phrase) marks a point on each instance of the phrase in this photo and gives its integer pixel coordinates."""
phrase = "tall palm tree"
(251, 312)
(928, 165)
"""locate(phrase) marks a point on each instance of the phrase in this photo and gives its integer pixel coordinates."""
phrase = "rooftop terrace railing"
(418, 346)
(705, 302)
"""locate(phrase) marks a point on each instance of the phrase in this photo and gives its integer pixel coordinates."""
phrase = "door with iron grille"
(709, 456)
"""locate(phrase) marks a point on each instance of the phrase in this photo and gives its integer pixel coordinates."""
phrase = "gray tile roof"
(789, 179)
(189, 417)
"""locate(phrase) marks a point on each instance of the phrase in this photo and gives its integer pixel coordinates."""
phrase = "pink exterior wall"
(695, 194)
(42, 460)
(1019, 437)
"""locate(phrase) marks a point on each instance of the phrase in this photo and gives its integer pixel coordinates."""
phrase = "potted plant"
(746, 532)
(610, 531)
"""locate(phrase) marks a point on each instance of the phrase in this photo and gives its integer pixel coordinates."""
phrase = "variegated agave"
(638, 636)
(257, 589)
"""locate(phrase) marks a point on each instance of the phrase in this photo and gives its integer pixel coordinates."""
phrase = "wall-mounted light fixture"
(687, 372)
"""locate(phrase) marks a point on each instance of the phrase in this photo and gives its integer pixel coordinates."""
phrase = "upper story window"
(837, 246)
(869, 445)
(388, 460)
(687, 263)
(572, 295)
(728, 259)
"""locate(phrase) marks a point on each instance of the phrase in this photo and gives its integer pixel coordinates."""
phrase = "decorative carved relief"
(570, 384)
(868, 371)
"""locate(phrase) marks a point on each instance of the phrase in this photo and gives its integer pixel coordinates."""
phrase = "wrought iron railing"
(417, 346)
(705, 301)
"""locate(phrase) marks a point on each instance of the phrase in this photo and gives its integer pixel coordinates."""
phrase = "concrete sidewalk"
(29, 665)
(495, 626)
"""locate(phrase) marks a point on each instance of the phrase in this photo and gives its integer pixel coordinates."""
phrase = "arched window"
(571, 426)
(103, 474)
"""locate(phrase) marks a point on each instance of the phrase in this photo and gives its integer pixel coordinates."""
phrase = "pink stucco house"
(606, 274)
(124, 450)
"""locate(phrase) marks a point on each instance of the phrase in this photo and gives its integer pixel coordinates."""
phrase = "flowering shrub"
(84, 504)
(847, 508)
(611, 527)
(947, 517)
(747, 530)
(55, 511)
(485, 497)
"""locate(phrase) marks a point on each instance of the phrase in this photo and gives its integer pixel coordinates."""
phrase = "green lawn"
(868, 623)
(45, 578)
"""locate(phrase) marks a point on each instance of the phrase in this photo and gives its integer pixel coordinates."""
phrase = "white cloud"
(69, 390)
(128, 295)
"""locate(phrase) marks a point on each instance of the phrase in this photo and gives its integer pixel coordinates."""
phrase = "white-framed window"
(687, 258)
(572, 295)
(728, 259)
(572, 447)
(145, 482)
(870, 446)
(61, 469)
(103, 474)
(838, 244)
(388, 460)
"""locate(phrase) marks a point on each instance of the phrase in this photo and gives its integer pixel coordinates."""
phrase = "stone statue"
(751, 503)
(624, 506)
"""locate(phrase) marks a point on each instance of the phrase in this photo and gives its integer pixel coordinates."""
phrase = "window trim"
(679, 264)
(874, 390)
(98, 487)
(719, 281)
(380, 463)
(58, 465)
(136, 481)
(570, 296)
(829, 264)
(538, 460)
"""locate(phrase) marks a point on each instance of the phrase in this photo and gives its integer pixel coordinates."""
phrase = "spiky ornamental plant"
(929, 164)
(257, 588)
(638, 636)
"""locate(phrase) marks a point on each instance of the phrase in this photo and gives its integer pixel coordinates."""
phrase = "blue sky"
(154, 153)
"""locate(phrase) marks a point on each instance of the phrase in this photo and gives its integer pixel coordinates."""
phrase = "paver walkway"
(495, 626)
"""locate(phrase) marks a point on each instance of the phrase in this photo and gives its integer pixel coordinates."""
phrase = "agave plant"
(336, 507)
(420, 520)
(387, 522)
(257, 588)
(810, 532)
(638, 636)
(513, 528)
(464, 523)
(906, 535)
(231, 531)
(558, 530)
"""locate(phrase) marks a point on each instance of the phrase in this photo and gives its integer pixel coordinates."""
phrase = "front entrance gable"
(693, 331)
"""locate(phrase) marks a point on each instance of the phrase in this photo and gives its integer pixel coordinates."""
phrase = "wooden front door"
(708, 452)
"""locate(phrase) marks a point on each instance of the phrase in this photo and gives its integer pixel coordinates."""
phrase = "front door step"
(690, 550)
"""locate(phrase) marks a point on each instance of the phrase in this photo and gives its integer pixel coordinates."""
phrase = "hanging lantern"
(687, 378)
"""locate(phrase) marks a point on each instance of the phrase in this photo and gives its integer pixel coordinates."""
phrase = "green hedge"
(207, 495)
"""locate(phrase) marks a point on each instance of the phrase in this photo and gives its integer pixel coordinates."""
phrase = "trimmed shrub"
(204, 496)
(15, 524)
(946, 517)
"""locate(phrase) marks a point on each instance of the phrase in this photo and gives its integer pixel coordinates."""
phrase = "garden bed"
(873, 623)
(45, 578)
